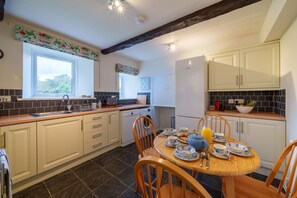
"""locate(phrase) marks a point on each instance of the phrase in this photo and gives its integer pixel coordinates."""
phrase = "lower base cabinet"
(20, 145)
(59, 141)
(266, 137)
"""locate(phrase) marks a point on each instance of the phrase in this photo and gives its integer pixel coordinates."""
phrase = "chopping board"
(141, 99)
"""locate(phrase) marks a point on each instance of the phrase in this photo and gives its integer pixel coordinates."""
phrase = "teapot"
(198, 142)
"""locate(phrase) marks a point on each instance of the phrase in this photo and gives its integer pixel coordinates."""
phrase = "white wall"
(288, 49)
(11, 63)
(11, 66)
(107, 80)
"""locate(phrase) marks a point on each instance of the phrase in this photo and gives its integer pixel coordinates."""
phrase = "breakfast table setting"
(209, 153)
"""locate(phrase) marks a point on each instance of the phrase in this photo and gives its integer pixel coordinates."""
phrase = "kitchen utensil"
(207, 161)
(202, 155)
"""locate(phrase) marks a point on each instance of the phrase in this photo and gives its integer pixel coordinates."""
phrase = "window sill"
(28, 99)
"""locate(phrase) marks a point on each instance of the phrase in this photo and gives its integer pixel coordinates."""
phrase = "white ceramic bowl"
(219, 148)
(244, 109)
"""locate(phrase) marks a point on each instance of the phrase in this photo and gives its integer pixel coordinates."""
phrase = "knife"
(207, 161)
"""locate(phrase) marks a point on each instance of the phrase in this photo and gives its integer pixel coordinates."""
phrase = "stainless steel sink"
(50, 113)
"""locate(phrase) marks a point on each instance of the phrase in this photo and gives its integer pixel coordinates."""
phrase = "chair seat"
(176, 192)
(246, 187)
(149, 152)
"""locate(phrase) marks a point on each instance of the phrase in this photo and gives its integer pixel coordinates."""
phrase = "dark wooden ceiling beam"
(204, 14)
(2, 2)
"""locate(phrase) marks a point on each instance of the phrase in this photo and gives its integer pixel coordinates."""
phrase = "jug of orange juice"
(207, 134)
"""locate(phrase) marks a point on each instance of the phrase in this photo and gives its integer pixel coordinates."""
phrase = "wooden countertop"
(255, 115)
(25, 118)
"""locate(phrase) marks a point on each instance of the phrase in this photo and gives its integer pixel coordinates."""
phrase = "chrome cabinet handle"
(97, 118)
(237, 79)
(237, 127)
(97, 126)
(97, 145)
(82, 125)
(241, 127)
(96, 136)
(241, 79)
(109, 119)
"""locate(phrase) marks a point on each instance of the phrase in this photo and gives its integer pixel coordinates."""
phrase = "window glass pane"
(53, 76)
(128, 85)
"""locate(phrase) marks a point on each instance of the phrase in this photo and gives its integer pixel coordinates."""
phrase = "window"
(51, 74)
(128, 85)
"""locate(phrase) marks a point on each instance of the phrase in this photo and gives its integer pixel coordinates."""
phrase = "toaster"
(112, 101)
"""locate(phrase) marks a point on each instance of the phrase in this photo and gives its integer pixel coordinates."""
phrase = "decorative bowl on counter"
(244, 109)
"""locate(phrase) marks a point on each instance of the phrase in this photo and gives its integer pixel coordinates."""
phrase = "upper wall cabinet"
(251, 68)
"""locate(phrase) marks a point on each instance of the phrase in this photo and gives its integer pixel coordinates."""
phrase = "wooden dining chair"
(217, 123)
(166, 176)
(246, 186)
(144, 132)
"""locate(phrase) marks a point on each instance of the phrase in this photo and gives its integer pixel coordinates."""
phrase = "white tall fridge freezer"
(191, 91)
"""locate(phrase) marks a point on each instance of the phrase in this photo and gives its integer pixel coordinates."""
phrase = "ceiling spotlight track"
(116, 5)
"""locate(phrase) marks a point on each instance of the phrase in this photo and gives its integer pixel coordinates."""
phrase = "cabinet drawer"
(95, 117)
(97, 135)
(92, 146)
(94, 126)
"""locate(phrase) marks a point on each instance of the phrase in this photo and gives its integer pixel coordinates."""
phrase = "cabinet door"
(234, 122)
(259, 67)
(113, 127)
(20, 145)
(266, 137)
(224, 71)
(59, 141)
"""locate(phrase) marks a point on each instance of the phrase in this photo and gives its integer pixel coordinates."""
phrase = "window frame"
(48, 55)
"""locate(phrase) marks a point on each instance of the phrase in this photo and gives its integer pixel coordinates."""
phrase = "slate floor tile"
(127, 176)
(129, 193)
(212, 191)
(91, 195)
(96, 179)
(115, 166)
(60, 181)
(118, 152)
(85, 169)
(211, 180)
(76, 190)
(110, 189)
(129, 158)
(36, 191)
(103, 160)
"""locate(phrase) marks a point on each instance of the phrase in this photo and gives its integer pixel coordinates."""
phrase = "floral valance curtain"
(51, 42)
(126, 69)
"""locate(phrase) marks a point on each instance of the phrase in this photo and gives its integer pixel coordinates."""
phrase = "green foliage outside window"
(58, 84)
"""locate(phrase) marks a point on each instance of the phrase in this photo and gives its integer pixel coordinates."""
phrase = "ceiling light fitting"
(116, 5)
(171, 47)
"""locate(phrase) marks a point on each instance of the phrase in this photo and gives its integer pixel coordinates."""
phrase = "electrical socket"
(239, 101)
(231, 101)
(5, 98)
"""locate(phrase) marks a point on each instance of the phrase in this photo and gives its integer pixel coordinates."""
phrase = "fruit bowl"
(244, 109)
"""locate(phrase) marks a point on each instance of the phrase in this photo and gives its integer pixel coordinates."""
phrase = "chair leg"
(136, 189)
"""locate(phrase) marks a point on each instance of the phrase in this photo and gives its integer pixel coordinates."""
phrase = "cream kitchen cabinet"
(224, 71)
(59, 141)
(20, 144)
(266, 137)
(251, 68)
(113, 127)
(95, 132)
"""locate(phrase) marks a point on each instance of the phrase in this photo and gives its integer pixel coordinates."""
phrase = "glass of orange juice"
(207, 134)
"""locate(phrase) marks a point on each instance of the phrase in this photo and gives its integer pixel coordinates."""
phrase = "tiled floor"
(106, 176)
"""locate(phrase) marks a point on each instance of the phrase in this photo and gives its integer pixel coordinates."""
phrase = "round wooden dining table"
(234, 166)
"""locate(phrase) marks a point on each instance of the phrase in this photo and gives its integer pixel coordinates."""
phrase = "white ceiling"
(91, 22)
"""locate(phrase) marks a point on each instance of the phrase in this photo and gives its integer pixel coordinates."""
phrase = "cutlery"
(207, 161)
(202, 155)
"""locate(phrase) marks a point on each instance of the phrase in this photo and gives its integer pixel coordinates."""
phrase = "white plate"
(171, 145)
(220, 140)
(246, 153)
(186, 152)
(169, 131)
(218, 155)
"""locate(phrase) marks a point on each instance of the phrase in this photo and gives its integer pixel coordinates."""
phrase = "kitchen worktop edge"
(26, 118)
(255, 115)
